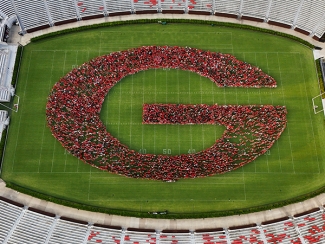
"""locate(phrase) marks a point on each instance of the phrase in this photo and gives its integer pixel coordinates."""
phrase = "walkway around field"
(160, 224)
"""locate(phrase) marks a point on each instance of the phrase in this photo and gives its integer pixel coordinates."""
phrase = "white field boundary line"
(20, 114)
(131, 111)
(63, 68)
(277, 143)
(268, 71)
(89, 184)
(314, 105)
(166, 101)
(287, 127)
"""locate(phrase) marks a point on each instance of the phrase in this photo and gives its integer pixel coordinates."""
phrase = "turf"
(293, 166)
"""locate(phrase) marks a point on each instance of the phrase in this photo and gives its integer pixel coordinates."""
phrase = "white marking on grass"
(244, 183)
(131, 111)
(20, 114)
(178, 100)
(287, 128)
(89, 183)
(53, 156)
(166, 83)
(142, 138)
(119, 113)
(45, 123)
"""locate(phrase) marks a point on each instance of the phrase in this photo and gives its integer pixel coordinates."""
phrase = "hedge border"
(321, 79)
(170, 215)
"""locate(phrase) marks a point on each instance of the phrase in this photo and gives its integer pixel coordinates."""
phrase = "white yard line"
(287, 128)
(309, 112)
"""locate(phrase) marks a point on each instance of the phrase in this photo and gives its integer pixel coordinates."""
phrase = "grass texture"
(294, 165)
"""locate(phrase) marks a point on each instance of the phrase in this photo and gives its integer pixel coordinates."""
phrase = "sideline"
(161, 224)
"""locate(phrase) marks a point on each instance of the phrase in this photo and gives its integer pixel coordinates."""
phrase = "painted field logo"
(73, 114)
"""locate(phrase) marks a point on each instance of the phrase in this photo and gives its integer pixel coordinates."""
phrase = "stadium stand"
(144, 5)
(311, 226)
(255, 8)
(246, 234)
(304, 16)
(228, 7)
(281, 231)
(20, 224)
(310, 15)
(173, 6)
(35, 21)
(283, 12)
(69, 231)
(7, 61)
(199, 7)
(91, 9)
(6, 9)
(211, 236)
(98, 233)
(118, 7)
(62, 13)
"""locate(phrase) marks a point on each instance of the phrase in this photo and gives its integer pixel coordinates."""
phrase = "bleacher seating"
(312, 227)
(99, 234)
(142, 5)
(304, 16)
(284, 11)
(32, 14)
(210, 236)
(228, 7)
(6, 9)
(9, 215)
(200, 5)
(65, 10)
(255, 8)
(90, 8)
(246, 235)
(281, 232)
(118, 6)
(7, 59)
(3, 65)
(68, 232)
(20, 224)
(32, 228)
(173, 5)
(175, 237)
(132, 236)
(310, 15)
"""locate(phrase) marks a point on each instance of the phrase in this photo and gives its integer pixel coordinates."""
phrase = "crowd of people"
(74, 104)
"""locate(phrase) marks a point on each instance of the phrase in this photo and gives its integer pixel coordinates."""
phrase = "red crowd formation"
(73, 114)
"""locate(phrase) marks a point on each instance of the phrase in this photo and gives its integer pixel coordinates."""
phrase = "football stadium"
(162, 121)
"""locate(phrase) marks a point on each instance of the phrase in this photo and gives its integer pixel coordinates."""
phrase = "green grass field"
(294, 165)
